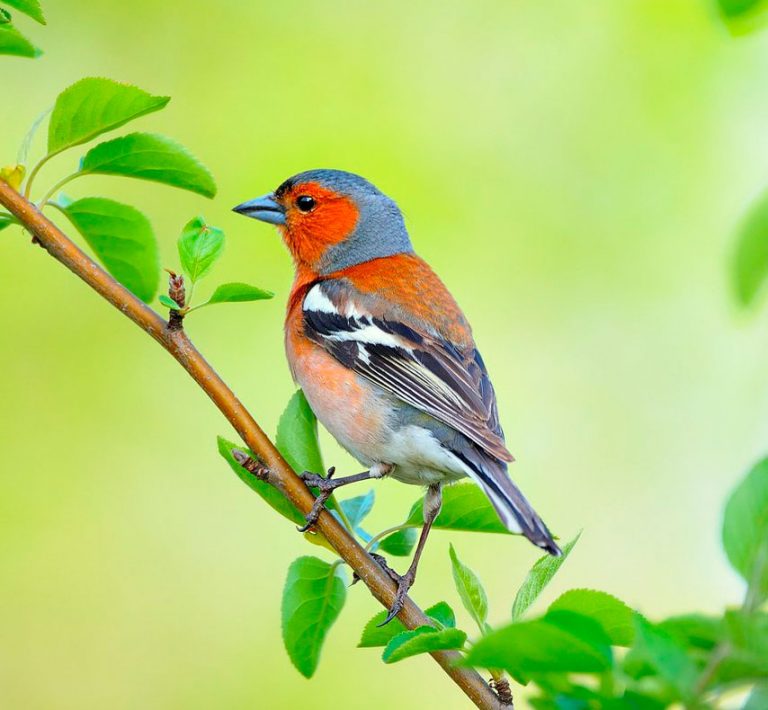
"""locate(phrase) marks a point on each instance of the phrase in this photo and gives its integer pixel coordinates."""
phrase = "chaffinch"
(384, 354)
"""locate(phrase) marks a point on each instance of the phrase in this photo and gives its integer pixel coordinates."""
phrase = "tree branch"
(176, 342)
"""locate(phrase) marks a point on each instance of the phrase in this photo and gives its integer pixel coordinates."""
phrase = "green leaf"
(470, 590)
(541, 574)
(748, 638)
(425, 639)
(313, 597)
(613, 615)
(745, 530)
(6, 220)
(14, 43)
(399, 543)
(236, 292)
(694, 630)
(667, 657)
(122, 239)
(442, 614)
(583, 628)
(150, 157)
(5, 16)
(200, 246)
(30, 8)
(541, 646)
(750, 267)
(736, 8)
(297, 436)
(465, 507)
(743, 16)
(269, 493)
(357, 508)
(375, 635)
(168, 302)
(94, 106)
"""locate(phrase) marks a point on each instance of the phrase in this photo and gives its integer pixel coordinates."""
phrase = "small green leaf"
(470, 590)
(533, 647)
(14, 43)
(399, 543)
(150, 157)
(6, 220)
(297, 436)
(122, 239)
(375, 635)
(200, 246)
(94, 106)
(357, 508)
(236, 292)
(750, 268)
(540, 576)
(425, 639)
(613, 615)
(168, 302)
(442, 614)
(313, 597)
(5, 16)
(465, 507)
(31, 8)
(269, 493)
(745, 530)
(667, 657)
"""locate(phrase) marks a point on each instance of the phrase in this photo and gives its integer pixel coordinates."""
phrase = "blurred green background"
(574, 171)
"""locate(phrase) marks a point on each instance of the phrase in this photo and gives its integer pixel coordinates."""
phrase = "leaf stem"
(332, 498)
(44, 201)
(388, 531)
(33, 173)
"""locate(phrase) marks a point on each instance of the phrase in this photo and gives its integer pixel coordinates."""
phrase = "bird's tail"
(514, 510)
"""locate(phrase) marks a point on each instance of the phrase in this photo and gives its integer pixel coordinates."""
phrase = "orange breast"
(348, 406)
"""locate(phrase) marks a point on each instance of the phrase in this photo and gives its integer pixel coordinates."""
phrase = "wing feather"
(422, 369)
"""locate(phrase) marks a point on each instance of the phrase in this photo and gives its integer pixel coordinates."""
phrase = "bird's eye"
(305, 203)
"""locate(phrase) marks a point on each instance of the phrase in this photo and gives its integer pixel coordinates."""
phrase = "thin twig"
(176, 342)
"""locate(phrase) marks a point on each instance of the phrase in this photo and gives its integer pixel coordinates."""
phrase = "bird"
(385, 356)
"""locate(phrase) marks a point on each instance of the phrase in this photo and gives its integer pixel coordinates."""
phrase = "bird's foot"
(404, 583)
(325, 488)
(381, 561)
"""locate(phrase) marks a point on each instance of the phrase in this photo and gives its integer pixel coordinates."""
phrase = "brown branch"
(176, 342)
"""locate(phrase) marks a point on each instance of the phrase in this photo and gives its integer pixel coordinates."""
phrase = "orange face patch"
(309, 233)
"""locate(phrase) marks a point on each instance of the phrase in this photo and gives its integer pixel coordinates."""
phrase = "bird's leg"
(327, 485)
(433, 501)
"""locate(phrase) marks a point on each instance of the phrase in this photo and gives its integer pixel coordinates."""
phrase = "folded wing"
(423, 369)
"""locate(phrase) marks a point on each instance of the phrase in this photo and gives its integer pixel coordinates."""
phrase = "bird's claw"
(404, 583)
(325, 488)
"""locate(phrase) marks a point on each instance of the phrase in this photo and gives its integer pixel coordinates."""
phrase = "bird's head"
(331, 219)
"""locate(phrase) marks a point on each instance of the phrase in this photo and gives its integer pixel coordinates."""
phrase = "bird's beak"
(264, 208)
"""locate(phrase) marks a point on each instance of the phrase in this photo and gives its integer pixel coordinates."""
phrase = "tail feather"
(511, 505)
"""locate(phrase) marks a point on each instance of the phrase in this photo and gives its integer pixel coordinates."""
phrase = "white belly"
(419, 458)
